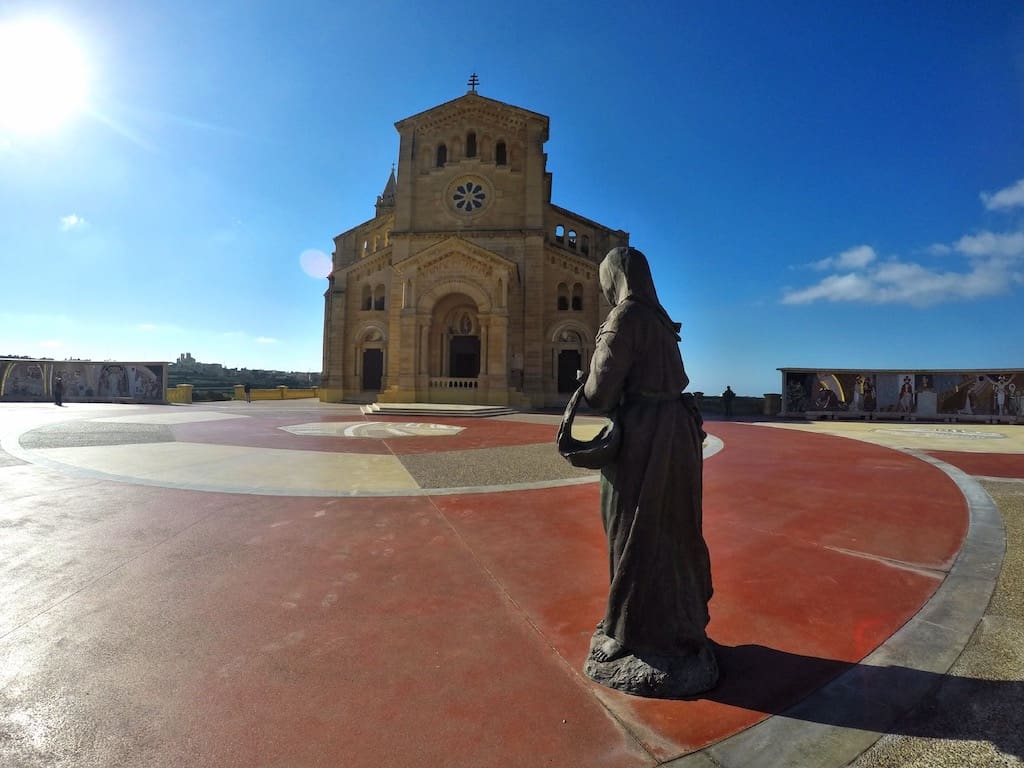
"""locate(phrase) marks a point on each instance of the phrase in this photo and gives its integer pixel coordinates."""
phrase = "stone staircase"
(435, 409)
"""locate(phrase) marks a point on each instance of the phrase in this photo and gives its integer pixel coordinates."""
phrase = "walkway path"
(295, 584)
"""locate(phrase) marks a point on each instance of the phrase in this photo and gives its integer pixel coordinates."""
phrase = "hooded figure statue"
(652, 639)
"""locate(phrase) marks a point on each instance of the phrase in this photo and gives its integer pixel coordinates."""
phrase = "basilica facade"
(468, 285)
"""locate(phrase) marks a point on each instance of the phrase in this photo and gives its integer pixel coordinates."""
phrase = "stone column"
(497, 356)
(332, 388)
(534, 313)
(485, 368)
(406, 350)
(423, 324)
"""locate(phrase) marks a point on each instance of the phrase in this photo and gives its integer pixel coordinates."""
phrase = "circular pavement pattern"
(380, 430)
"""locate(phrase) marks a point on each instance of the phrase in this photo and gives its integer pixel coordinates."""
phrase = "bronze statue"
(652, 639)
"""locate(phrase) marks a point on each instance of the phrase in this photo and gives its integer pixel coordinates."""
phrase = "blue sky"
(815, 184)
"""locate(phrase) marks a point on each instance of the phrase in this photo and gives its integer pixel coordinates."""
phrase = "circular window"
(468, 195)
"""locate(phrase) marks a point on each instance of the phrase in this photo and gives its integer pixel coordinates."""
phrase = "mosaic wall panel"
(32, 380)
(924, 393)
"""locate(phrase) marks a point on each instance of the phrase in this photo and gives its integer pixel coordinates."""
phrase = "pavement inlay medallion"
(380, 430)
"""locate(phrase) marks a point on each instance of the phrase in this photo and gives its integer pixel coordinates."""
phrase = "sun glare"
(43, 76)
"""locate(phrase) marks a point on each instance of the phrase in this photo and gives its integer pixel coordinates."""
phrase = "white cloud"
(992, 264)
(1009, 197)
(1010, 244)
(854, 258)
(71, 221)
(905, 282)
(157, 327)
(266, 340)
(849, 287)
(51, 344)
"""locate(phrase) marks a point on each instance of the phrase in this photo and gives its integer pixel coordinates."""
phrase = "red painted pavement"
(171, 627)
(801, 529)
(984, 464)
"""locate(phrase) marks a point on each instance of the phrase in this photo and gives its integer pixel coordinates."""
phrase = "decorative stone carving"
(457, 263)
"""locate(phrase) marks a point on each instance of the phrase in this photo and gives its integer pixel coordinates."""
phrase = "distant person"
(727, 397)
(58, 391)
(248, 392)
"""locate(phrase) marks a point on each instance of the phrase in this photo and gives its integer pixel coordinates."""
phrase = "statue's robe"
(651, 495)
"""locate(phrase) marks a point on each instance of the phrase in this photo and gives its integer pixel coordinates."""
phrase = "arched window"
(470, 144)
(501, 153)
(367, 302)
(442, 155)
(577, 297)
(585, 245)
(366, 247)
(378, 297)
(572, 239)
(563, 296)
(559, 234)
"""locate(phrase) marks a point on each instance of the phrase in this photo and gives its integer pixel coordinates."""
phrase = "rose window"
(469, 197)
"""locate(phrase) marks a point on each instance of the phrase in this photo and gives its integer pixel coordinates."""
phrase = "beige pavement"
(970, 438)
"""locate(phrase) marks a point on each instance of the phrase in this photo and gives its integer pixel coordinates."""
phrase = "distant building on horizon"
(468, 285)
(186, 362)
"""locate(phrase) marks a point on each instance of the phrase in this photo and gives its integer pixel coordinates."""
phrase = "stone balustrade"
(447, 382)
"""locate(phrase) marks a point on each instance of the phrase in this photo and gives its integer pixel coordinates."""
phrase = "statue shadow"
(888, 699)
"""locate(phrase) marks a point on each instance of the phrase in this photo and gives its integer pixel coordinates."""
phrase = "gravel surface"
(80, 434)
(974, 718)
(490, 466)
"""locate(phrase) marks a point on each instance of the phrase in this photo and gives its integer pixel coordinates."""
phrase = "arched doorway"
(570, 366)
(455, 338)
(570, 356)
(373, 369)
(370, 357)
(464, 357)
(462, 345)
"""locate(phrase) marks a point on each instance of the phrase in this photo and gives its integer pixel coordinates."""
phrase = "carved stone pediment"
(472, 108)
(455, 255)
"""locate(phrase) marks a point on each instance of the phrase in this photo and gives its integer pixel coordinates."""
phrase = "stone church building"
(468, 285)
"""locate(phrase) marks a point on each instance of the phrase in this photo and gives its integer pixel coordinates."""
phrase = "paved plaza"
(295, 584)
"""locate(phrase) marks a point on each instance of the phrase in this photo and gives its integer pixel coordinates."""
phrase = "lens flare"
(315, 263)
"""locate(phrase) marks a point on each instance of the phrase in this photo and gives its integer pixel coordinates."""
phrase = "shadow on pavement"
(872, 698)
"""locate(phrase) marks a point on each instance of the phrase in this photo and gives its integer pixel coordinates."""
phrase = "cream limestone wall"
(462, 269)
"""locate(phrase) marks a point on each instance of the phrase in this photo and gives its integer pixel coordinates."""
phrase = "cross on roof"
(474, 81)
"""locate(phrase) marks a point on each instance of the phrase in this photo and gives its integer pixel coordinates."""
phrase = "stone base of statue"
(656, 677)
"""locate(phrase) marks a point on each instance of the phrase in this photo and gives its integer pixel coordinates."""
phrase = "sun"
(44, 76)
